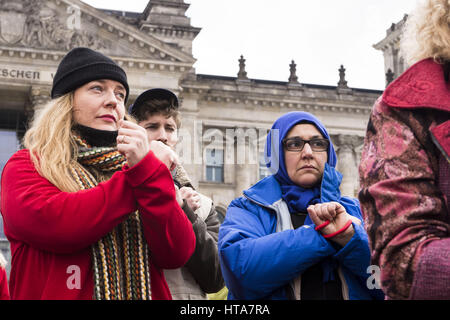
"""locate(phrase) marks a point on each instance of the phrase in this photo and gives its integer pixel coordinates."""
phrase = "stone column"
(358, 152)
(38, 97)
(242, 179)
(246, 171)
(189, 147)
(348, 163)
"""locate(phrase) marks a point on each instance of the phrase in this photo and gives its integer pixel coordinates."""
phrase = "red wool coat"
(51, 232)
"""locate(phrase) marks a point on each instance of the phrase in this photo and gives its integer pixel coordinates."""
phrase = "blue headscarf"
(296, 197)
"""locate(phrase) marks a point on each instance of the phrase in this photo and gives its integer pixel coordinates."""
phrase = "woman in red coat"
(89, 206)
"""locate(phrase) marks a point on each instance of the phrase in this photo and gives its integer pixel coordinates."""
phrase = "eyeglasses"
(297, 144)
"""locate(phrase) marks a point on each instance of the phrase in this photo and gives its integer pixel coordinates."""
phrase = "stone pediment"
(52, 27)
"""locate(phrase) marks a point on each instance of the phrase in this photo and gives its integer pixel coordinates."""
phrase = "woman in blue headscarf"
(292, 235)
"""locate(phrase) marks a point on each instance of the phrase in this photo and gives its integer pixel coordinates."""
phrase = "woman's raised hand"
(165, 153)
(337, 216)
(132, 142)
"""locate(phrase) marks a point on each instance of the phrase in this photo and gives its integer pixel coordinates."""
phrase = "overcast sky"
(319, 35)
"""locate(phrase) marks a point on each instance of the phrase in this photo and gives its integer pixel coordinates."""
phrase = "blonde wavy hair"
(427, 32)
(52, 146)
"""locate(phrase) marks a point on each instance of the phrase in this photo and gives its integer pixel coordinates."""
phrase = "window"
(214, 165)
(263, 170)
(9, 145)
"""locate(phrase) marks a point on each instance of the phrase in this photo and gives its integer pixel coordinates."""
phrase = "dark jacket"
(201, 274)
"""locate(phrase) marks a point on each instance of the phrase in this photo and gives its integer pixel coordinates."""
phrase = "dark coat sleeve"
(204, 263)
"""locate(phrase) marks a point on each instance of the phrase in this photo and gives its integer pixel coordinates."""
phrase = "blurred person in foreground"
(404, 170)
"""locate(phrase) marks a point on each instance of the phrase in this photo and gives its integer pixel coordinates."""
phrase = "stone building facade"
(225, 119)
(394, 63)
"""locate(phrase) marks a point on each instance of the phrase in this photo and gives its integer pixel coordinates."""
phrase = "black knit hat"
(82, 65)
(157, 93)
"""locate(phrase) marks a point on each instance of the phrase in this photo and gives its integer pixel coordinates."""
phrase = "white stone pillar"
(38, 97)
(347, 163)
(242, 168)
(189, 146)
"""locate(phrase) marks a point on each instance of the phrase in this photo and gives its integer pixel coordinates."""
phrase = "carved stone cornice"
(39, 94)
(393, 36)
(129, 62)
(131, 34)
(38, 97)
(267, 94)
(172, 31)
(347, 142)
(31, 26)
(278, 102)
(32, 23)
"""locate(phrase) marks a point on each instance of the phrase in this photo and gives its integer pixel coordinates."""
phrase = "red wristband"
(323, 225)
(345, 227)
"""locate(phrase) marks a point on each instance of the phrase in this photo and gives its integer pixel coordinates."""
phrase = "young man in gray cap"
(156, 110)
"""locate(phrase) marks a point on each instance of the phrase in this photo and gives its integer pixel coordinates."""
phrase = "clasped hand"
(336, 214)
(191, 196)
(133, 143)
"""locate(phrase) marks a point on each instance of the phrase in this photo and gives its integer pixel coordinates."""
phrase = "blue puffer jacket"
(258, 262)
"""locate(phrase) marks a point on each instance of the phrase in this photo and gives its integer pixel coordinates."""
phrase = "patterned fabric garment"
(403, 205)
(119, 259)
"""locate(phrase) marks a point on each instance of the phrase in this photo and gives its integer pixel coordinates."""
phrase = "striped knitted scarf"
(120, 259)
